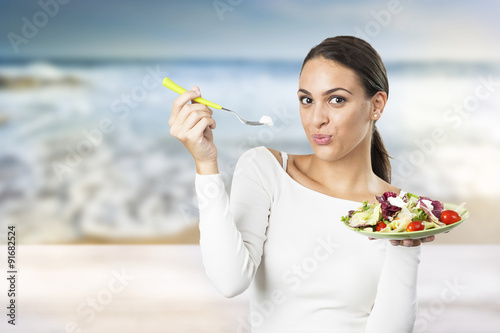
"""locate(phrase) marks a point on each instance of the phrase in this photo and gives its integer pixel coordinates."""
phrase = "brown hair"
(362, 58)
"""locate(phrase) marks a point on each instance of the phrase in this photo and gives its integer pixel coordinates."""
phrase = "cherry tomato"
(415, 226)
(381, 225)
(449, 217)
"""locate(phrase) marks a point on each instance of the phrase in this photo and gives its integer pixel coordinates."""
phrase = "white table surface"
(66, 288)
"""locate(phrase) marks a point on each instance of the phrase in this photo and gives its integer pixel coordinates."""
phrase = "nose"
(320, 116)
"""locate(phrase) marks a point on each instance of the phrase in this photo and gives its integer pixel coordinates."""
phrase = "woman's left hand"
(410, 242)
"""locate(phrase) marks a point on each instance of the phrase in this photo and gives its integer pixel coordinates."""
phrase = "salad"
(394, 214)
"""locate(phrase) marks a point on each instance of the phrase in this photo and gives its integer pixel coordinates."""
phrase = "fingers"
(200, 127)
(428, 239)
(193, 126)
(185, 117)
(405, 242)
(191, 112)
(188, 119)
(181, 101)
(197, 90)
(411, 242)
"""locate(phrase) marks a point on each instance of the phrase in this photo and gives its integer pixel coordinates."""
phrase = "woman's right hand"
(192, 124)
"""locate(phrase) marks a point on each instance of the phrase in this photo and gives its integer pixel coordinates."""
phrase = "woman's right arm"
(231, 234)
(192, 124)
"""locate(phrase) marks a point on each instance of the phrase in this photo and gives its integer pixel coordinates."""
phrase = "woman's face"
(336, 113)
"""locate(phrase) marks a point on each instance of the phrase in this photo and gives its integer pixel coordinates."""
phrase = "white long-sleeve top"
(306, 271)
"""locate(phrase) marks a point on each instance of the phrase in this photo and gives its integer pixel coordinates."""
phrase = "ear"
(378, 102)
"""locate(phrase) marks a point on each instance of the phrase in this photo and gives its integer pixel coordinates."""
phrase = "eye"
(305, 100)
(336, 100)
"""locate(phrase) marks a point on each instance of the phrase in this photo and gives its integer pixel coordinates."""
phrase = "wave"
(272, 65)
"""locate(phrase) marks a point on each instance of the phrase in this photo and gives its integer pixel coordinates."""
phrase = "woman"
(281, 232)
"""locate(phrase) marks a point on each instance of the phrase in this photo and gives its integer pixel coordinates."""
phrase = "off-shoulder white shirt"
(306, 271)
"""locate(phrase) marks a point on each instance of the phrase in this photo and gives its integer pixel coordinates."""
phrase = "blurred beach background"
(86, 158)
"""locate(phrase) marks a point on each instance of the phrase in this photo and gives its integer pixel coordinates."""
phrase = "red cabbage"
(388, 210)
(437, 206)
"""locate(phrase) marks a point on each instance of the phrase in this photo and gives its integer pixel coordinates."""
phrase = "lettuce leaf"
(420, 215)
(369, 216)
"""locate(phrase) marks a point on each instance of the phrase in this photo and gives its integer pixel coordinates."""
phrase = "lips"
(321, 139)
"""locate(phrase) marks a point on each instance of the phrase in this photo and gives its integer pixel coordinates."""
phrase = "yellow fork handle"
(178, 89)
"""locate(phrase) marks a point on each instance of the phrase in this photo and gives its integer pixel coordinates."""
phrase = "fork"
(178, 89)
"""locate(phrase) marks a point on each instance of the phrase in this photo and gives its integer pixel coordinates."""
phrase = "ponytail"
(381, 165)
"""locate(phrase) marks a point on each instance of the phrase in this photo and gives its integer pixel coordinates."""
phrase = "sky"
(408, 30)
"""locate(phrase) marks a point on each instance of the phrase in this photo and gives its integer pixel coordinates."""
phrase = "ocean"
(86, 150)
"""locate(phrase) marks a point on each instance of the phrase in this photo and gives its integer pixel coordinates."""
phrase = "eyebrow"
(328, 92)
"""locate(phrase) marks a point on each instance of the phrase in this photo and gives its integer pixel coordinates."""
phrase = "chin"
(326, 152)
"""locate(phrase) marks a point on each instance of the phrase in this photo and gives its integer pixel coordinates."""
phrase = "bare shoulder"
(276, 154)
(390, 188)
